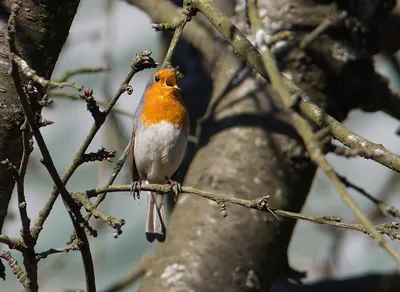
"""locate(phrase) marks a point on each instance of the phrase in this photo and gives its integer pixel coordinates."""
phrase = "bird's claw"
(135, 189)
(177, 190)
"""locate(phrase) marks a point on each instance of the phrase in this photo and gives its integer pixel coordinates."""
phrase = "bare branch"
(30, 73)
(383, 207)
(13, 243)
(349, 153)
(178, 26)
(85, 70)
(77, 97)
(260, 204)
(110, 220)
(92, 106)
(74, 245)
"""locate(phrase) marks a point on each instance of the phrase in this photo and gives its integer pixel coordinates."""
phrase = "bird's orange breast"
(164, 104)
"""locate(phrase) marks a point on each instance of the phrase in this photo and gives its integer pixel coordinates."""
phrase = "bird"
(158, 144)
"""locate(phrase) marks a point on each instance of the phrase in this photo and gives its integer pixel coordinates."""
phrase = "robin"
(158, 144)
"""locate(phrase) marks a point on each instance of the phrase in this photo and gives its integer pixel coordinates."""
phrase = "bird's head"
(165, 78)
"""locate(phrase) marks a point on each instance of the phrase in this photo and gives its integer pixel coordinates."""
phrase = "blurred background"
(109, 33)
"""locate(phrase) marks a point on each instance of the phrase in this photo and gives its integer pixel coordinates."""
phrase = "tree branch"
(85, 70)
(260, 204)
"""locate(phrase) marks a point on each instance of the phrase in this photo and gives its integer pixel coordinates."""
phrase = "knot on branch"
(143, 61)
(99, 155)
(35, 97)
(332, 218)
(392, 211)
(44, 122)
(388, 228)
(92, 106)
(37, 102)
(129, 89)
(10, 167)
(262, 203)
(350, 153)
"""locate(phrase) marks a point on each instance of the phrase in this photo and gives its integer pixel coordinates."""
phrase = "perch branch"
(260, 204)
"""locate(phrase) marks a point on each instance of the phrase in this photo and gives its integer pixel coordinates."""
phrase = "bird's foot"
(176, 188)
(135, 189)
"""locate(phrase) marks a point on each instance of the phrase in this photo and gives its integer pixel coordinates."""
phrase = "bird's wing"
(134, 171)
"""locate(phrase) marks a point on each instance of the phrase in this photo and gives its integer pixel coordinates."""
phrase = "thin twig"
(385, 208)
(31, 74)
(187, 13)
(77, 97)
(28, 279)
(85, 70)
(75, 245)
(111, 221)
(20, 179)
(349, 153)
(321, 28)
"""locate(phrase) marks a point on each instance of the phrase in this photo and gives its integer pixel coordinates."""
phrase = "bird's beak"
(170, 81)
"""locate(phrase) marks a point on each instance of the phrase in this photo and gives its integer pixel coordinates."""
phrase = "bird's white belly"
(159, 150)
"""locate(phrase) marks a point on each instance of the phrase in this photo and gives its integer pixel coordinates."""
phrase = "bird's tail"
(155, 221)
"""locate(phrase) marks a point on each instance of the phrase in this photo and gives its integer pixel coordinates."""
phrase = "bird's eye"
(157, 78)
